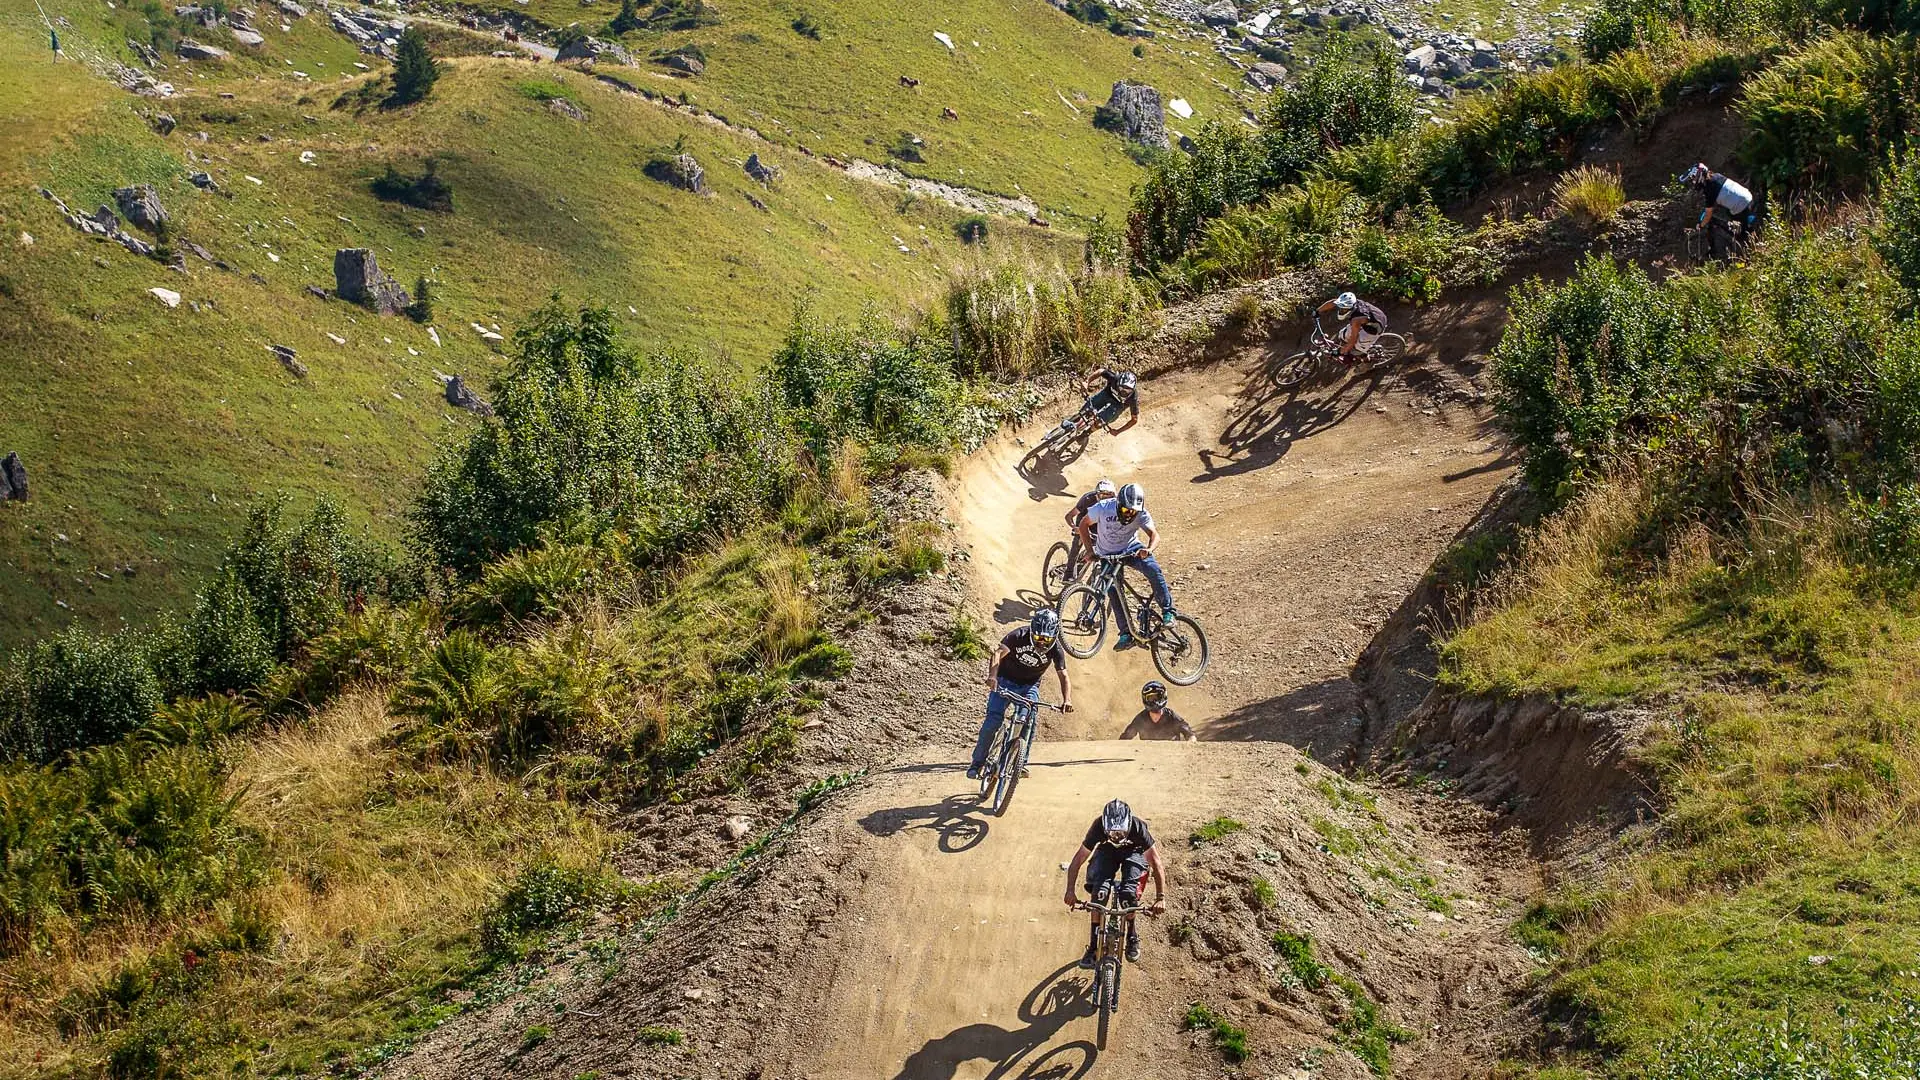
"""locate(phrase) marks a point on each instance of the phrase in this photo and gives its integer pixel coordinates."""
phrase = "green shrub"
(227, 648)
(589, 436)
(1012, 321)
(1898, 237)
(1218, 829)
(971, 229)
(1882, 1044)
(542, 896)
(122, 830)
(1589, 196)
(538, 583)
(374, 645)
(964, 640)
(1411, 260)
(302, 577)
(76, 690)
(421, 309)
(456, 696)
(1228, 1038)
(864, 382)
(1296, 950)
(1831, 116)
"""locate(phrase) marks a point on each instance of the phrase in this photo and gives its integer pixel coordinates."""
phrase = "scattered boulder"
(140, 204)
(591, 48)
(292, 10)
(760, 170)
(1220, 15)
(165, 296)
(189, 49)
(148, 55)
(247, 36)
(562, 107)
(289, 360)
(1485, 55)
(681, 171)
(1418, 60)
(1134, 111)
(13, 477)
(1266, 75)
(163, 123)
(318, 293)
(461, 396)
(684, 63)
(358, 279)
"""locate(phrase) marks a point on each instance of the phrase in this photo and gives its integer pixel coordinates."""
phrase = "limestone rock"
(292, 10)
(760, 170)
(140, 204)
(461, 396)
(684, 63)
(165, 296)
(189, 49)
(358, 279)
(1420, 59)
(1134, 111)
(682, 172)
(562, 107)
(13, 478)
(163, 123)
(1220, 15)
(247, 36)
(1266, 75)
(289, 360)
(592, 48)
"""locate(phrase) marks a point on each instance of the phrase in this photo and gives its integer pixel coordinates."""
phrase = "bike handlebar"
(1034, 702)
(1088, 905)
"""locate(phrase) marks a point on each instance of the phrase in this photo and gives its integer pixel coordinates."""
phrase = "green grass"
(963, 638)
(662, 1036)
(1218, 829)
(1363, 1028)
(840, 94)
(1228, 1038)
(148, 427)
(1782, 885)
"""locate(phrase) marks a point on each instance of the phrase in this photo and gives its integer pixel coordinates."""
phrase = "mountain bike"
(1074, 428)
(1179, 650)
(1723, 240)
(1008, 754)
(1064, 564)
(1110, 943)
(1322, 355)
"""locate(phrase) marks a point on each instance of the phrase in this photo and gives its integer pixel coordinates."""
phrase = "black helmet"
(1117, 818)
(1045, 626)
(1154, 695)
(1132, 501)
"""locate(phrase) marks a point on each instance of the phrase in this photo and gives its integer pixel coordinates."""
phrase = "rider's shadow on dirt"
(1062, 997)
(1018, 608)
(1271, 420)
(1046, 473)
(953, 817)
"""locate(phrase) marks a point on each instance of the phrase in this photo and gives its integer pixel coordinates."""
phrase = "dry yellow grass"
(1589, 195)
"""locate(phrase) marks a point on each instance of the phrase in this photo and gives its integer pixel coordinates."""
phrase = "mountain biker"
(1355, 318)
(1113, 391)
(1014, 670)
(1726, 202)
(1117, 843)
(1107, 530)
(1101, 492)
(1157, 721)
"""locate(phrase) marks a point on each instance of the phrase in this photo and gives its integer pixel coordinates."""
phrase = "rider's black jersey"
(1364, 312)
(1025, 662)
(1169, 727)
(1084, 504)
(1137, 840)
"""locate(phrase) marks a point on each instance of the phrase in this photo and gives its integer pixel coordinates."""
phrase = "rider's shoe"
(1166, 617)
(973, 772)
(1093, 954)
(1125, 641)
(1133, 946)
(1023, 772)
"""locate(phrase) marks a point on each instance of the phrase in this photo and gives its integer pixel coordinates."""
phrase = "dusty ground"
(899, 933)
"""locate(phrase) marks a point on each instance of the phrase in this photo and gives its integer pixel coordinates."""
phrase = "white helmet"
(1104, 487)
(1345, 301)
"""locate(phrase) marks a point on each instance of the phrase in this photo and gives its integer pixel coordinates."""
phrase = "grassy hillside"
(1023, 77)
(145, 425)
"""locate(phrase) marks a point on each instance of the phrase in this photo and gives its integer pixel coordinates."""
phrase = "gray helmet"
(1133, 499)
(1116, 818)
(1128, 380)
(1154, 695)
(1045, 624)
(1104, 488)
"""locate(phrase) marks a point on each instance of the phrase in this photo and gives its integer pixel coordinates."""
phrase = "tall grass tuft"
(1589, 195)
(1011, 320)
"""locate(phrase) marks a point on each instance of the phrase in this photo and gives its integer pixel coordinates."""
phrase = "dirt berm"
(897, 931)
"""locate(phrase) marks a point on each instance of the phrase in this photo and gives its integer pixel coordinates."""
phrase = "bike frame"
(1112, 572)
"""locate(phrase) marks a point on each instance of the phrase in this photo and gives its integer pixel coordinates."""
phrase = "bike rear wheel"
(1296, 370)
(1083, 621)
(1009, 775)
(1180, 651)
(1056, 571)
(1385, 350)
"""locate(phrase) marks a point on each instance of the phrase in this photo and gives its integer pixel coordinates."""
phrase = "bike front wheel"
(1180, 651)
(1056, 571)
(1009, 776)
(1083, 621)
(1296, 369)
(1107, 986)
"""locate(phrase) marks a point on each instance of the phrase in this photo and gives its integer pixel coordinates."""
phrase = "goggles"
(1116, 836)
(1043, 640)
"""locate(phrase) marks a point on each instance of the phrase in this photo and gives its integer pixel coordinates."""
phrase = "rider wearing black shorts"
(1117, 844)
(1355, 318)
(1118, 391)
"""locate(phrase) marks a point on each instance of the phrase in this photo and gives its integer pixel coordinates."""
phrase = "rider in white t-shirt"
(1109, 529)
